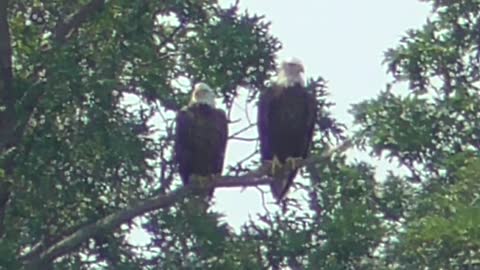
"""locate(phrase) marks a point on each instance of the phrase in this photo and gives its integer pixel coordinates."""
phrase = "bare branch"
(63, 30)
(234, 121)
(70, 242)
(262, 194)
(243, 139)
(247, 157)
(243, 130)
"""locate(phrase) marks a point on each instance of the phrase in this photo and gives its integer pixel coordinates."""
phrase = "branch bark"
(70, 242)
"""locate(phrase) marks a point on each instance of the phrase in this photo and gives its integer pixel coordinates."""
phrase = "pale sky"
(343, 41)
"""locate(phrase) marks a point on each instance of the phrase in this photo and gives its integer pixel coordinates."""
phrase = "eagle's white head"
(290, 72)
(202, 93)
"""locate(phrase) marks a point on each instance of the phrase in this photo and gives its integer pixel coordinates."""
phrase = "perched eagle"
(286, 117)
(200, 137)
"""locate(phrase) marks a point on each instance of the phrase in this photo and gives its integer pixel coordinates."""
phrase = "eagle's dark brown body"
(286, 118)
(201, 140)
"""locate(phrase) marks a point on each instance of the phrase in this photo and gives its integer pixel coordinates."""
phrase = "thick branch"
(70, 242)
(63, 30)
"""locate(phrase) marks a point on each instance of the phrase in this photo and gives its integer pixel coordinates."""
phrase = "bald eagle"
(286, 117)
(200, 137)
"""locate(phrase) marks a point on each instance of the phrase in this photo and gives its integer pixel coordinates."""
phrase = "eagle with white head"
(286, 118)
(200, 137)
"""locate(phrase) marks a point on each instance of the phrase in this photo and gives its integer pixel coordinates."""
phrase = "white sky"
(343, 41)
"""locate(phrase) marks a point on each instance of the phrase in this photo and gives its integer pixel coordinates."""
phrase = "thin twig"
(242, 130)
(243, 139)
(247, 157)
(262, 194)
(246, 112)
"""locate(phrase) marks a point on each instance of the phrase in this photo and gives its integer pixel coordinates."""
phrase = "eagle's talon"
(276, 165)
(294, 163)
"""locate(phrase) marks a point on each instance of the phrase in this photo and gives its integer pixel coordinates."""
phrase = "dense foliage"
(88, 93)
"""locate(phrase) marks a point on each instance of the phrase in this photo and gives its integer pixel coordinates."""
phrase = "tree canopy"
(88, 95)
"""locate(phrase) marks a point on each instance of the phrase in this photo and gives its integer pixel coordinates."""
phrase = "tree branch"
(243, 130)
(70, 242)
(243, 139)
(64, 29)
